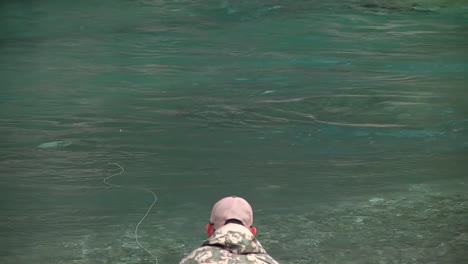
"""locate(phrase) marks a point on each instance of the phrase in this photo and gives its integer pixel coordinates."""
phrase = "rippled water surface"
(344, 123)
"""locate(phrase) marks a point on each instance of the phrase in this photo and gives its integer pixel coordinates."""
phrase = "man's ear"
(253, 229)
(209, 229)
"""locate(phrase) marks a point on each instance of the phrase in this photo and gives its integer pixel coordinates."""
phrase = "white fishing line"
(147, 211)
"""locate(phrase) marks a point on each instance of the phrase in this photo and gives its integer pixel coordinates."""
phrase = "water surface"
(344, 123)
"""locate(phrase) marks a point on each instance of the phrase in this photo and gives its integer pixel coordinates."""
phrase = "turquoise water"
(344, 123)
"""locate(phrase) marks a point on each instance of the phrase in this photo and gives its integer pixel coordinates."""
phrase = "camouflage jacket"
(230, 244)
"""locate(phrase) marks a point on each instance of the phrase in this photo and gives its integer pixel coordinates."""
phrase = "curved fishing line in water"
(147, 211)
(315, 119)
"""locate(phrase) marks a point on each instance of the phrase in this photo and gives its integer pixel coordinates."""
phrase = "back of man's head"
(229, 208)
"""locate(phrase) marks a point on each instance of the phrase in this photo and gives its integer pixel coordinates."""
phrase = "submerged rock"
(376, 200)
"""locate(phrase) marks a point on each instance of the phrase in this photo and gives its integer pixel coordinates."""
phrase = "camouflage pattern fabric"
(230, 244)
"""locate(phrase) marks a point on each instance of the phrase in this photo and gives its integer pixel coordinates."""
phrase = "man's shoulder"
(265, 258)
(216, 255)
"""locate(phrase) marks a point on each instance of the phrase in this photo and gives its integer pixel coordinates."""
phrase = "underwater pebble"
(376, 200)
(55, 144)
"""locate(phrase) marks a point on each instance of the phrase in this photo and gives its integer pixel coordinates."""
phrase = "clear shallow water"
(344, 124)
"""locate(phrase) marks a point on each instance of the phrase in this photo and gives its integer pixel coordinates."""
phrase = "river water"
(344, 123)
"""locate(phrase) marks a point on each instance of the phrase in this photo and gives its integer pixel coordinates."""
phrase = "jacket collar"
(235, 238)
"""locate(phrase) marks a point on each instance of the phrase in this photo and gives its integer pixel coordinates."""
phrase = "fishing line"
(147, 211)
